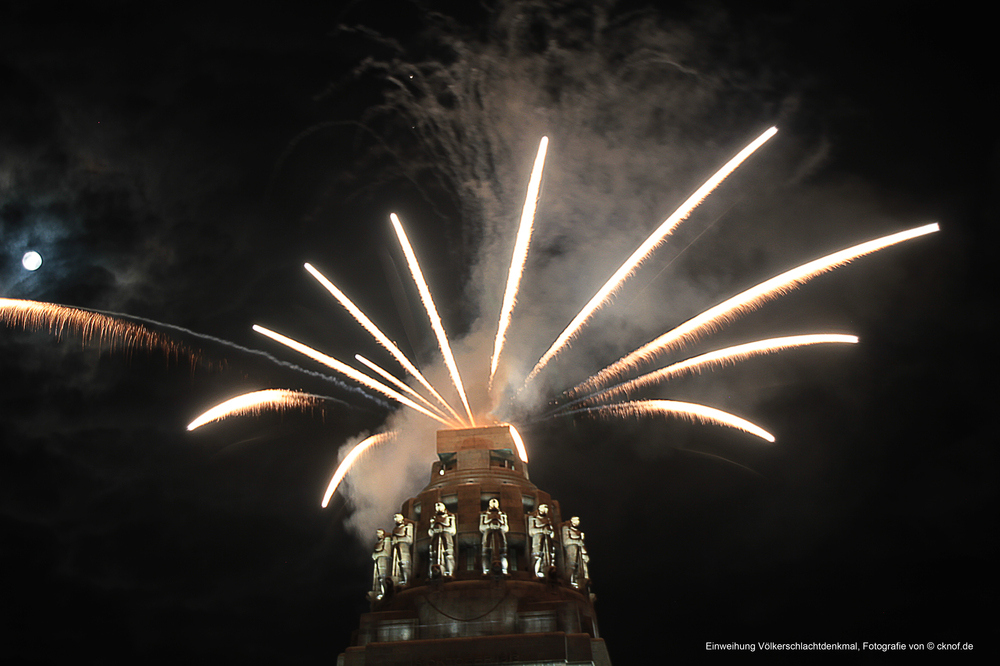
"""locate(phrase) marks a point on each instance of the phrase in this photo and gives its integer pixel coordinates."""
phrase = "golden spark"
(746, 301)
(519, 443)
(351, 458)
(688, 410)
(521, 244)
(347, 371)
(255, 403)
(36, 315)
(379, 336)
(432, 313)
(721, 357)
(644, 251)
(403, 387)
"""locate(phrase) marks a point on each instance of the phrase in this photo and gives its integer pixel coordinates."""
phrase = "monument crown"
(485, 575)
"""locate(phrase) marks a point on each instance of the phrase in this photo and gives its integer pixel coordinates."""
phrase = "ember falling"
(181, 166)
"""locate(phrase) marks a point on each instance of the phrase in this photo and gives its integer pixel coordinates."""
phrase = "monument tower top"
(479, 568)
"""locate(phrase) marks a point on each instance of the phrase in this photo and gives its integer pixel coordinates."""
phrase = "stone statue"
(402, 545)
(540, 531)
(442, 532)
(575, 552)
(493, 526)
(382, 555)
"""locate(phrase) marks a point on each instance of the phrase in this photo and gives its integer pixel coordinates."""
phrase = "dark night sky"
(178, 163)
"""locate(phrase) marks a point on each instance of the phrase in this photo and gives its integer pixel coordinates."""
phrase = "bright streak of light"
(379, 336)
(746, 301)
(255, 403)
(432, 314)
(350, 459)
(691, 411)
(521, 244)
(518, 442)
(348, 371)
(403, 387)
(36, 315)
(645, 250)
(721, 357)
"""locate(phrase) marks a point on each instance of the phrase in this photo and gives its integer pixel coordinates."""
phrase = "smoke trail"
(110, 328)
(35, 314)
(346, 370)
(713, 456)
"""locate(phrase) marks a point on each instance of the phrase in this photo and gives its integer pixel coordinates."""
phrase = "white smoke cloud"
(386, 475)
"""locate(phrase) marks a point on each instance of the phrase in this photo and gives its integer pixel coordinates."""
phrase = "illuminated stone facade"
(470, 617)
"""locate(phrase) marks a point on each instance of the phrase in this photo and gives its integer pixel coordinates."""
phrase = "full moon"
(31, 260)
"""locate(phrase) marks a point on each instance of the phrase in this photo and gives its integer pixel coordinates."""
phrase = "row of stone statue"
(393, 552)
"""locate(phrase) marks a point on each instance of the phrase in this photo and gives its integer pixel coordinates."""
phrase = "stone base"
(548, 649)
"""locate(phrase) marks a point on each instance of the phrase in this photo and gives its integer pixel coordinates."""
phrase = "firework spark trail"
(35, 315)
(691, 411)
(518, 443)
(403, 387)
(745, 301)
(521, 244)
(350, 459)
(644, 251)
(271, 359)
(283, 364)
(379, 336)
(716, 358)
(347, 371)
(256, 402)
(110, 328)
(432, 313)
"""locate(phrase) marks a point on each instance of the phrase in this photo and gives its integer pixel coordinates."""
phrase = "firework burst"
(595, 391)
